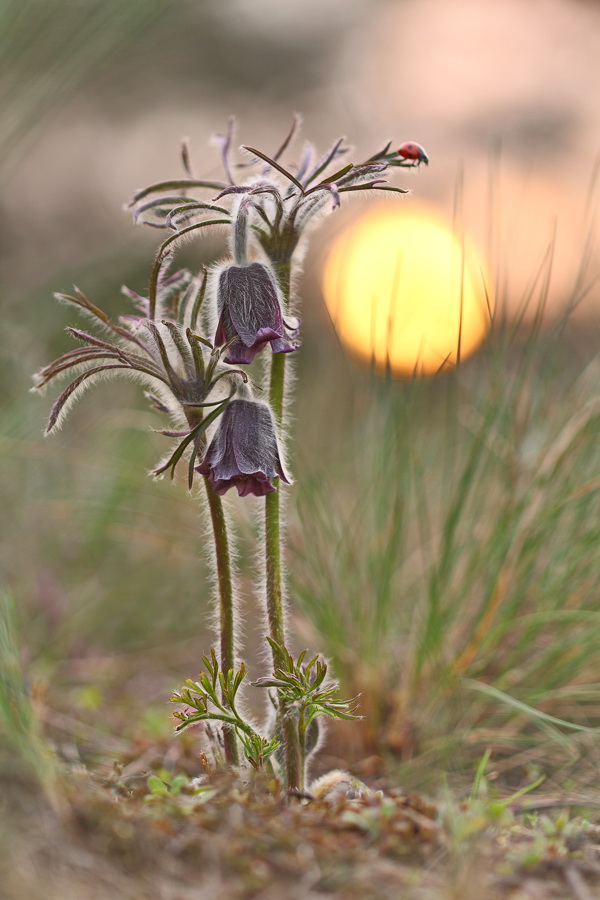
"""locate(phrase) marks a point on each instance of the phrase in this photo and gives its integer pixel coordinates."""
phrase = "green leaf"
(524, 708)
(183, 183)
(192, 435)
(179, 782)
(275, 165)
(157, 786)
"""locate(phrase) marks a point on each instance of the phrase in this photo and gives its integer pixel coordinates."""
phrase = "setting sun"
(404, 292)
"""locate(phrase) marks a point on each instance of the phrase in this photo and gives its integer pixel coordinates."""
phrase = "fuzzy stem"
(226, 594)
(226, 597)
(294, 766)
(226, 605)
(240, 234)
(275, 610)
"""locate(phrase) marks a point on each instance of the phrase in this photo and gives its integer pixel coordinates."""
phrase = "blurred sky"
(98, 95)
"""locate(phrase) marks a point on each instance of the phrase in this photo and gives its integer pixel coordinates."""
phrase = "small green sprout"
(304, 693)
(213, 697)
(177, 794)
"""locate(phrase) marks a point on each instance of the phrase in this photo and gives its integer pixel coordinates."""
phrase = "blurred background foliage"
(444, 533)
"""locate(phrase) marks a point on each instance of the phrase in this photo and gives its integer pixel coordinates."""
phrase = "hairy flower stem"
(226, 598)
(226, 605)
(294, 765)
(275, 608)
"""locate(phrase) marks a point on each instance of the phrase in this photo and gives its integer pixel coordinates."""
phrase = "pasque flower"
(244, 451)
(267, 214)
(250, 314)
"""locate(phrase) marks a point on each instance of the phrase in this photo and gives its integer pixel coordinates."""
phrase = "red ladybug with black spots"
(414, 152)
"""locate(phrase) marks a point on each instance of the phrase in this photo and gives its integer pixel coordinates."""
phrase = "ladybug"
(413, 151)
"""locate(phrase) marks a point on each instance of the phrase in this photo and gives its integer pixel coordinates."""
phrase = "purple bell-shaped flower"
(244, 451)
(250, 313)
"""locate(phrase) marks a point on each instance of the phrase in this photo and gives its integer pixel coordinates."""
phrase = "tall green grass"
(448, 552)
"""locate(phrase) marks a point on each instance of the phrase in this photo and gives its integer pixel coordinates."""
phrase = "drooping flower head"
(250, 313)
(244, 452)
